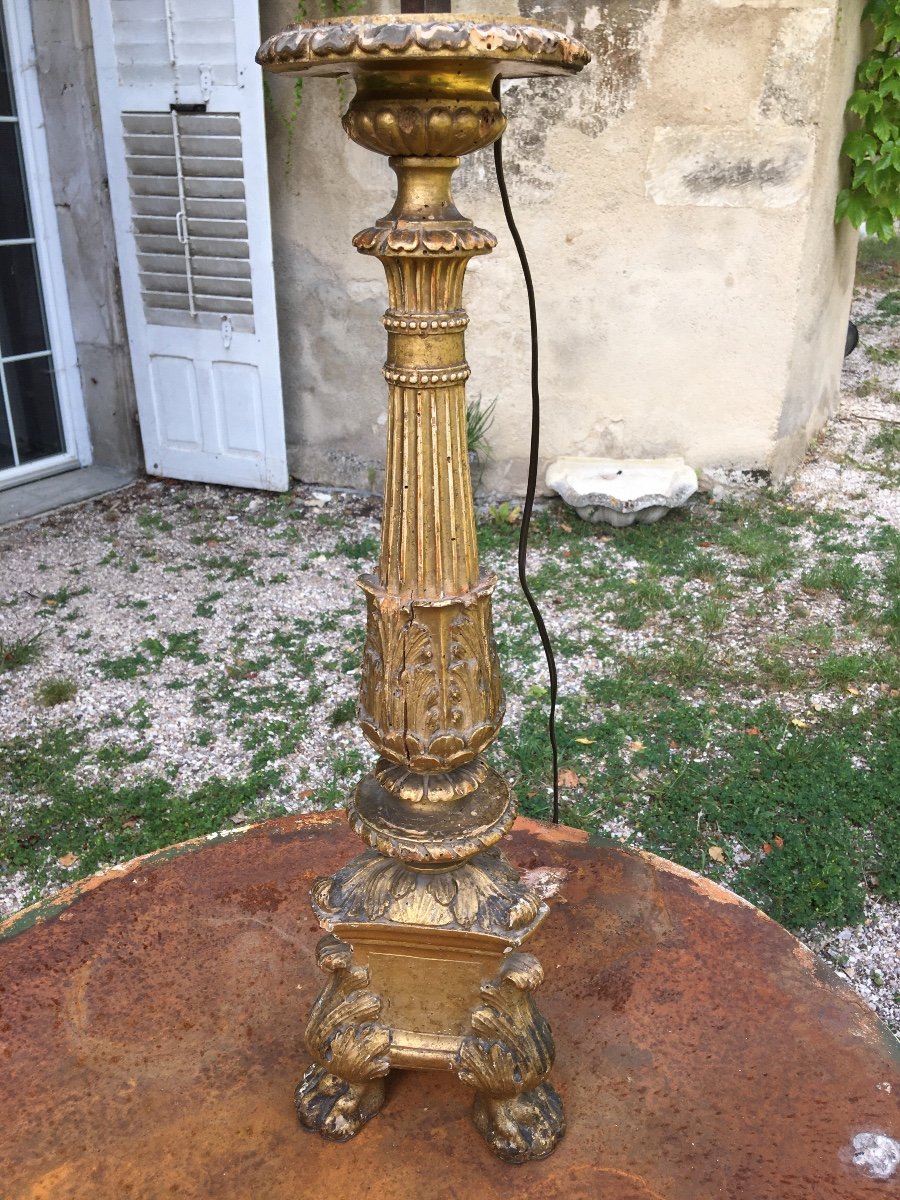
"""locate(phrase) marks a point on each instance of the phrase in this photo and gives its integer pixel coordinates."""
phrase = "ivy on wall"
(287, 116)
(873, 196)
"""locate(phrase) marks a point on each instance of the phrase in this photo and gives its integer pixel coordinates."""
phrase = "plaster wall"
(675, 201)
(67, 83)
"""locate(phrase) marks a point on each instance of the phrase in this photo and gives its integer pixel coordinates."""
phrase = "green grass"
(697, 745)
(364, 550)
(886, 442)
(713, 615)
(152, 652)
(343, 712)
(706, 776)
(839, 575)
(888, 307)
(101, 823)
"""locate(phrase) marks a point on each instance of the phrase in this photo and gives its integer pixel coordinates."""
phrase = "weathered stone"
(768, 167)
(791, 90)
(622, 491)
(694, 166)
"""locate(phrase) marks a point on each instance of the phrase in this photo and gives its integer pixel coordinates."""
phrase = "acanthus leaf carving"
(483, 894)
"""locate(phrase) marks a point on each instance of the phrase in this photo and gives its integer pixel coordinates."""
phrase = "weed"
(154, 523)
(704, 567)
(841, 669)
(366, 549)
(840, 575)
(746, 531)
(819, 635)
(505, 513)
(53, 601)
(343, 767)
(343, 712)
(479, 419)
(19, 652)
(175, 645)
(889, 304)
(886, 441)
(205, 606)
(56, 690)
(775, 669)
(713, 615)
(224, 564)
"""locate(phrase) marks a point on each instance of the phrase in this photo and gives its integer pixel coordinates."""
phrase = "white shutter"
(183, 124)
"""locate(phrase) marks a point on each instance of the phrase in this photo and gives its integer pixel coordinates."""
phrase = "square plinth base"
(429, 981)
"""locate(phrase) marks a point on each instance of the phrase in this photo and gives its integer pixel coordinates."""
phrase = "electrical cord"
(534, 451)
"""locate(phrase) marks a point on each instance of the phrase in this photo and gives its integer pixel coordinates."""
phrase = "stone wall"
(676, 204)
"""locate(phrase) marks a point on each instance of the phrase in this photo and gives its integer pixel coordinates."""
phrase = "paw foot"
(331, 1106)
(523, 1127)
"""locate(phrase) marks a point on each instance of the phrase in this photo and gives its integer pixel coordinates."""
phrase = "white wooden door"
(182, 109)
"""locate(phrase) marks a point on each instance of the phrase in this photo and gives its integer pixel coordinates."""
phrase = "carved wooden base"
(370, 1018)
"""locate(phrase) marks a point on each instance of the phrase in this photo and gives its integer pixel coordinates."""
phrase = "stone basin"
(622, 491)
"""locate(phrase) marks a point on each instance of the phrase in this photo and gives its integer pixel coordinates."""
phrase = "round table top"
(346, 45)
(152, 1023)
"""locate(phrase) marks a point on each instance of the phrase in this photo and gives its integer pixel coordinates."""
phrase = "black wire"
(532, 461)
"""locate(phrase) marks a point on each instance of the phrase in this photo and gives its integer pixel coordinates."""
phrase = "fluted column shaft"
(431, 698)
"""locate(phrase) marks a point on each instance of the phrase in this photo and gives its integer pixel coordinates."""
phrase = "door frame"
(48, 250)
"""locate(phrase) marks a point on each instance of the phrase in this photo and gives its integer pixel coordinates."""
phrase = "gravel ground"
(844, 473)
(190, 617)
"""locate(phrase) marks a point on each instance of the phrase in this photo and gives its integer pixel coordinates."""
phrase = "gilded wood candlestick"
(424, 928)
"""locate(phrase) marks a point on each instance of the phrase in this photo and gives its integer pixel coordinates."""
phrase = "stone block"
(762, 167)
(796, 71)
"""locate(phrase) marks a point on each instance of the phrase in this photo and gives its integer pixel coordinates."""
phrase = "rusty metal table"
(151, 1028)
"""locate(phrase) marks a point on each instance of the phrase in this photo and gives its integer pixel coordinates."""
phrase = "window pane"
(6, 102)
(35, 411)
(21, 311)
(13, 207)
(6, 454)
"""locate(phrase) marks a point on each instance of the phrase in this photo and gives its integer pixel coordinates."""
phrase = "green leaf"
(864, 177)
(857, 210)
(858, 145)
(861, 102)
(878, 11)
(871, 69)
(882, 128)
(879, 224)
(890, 87)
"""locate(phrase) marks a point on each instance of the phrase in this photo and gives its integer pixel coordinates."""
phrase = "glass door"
(33, 428)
